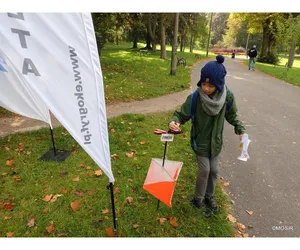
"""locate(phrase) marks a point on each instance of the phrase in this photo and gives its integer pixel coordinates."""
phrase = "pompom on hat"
(215, 72)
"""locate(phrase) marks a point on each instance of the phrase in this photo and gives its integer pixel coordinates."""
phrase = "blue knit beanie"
(215, 72)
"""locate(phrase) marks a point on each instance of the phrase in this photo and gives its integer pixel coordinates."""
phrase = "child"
(215, 103)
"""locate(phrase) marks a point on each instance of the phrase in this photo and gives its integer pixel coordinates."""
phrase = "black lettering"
(79, 96)
(18, 15)
(22, 34)
(79, 88)
(32, 69)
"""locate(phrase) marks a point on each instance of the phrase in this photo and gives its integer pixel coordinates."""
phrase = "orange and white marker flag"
(161, 180)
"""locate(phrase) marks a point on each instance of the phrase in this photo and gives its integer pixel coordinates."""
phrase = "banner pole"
(52, 137)
(163, 164)
(111, 187)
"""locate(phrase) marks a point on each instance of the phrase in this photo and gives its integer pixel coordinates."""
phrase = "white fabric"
(158, 173)
(15, 94)
(63, 48)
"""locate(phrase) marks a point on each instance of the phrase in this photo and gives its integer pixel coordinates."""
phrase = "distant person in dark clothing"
(252, 53)
(233, 54)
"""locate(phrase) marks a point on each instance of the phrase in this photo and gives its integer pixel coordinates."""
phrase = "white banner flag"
(15, 94)
(61, 62)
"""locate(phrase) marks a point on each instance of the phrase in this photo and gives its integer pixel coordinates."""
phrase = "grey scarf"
(212, 105)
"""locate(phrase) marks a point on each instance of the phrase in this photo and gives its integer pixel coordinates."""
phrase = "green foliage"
(28, 180)
(270, 58)
(218, 27)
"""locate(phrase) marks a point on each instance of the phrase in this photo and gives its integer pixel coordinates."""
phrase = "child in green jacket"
(207, 130)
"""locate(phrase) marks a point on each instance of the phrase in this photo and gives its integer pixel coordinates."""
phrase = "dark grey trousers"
(207, 177)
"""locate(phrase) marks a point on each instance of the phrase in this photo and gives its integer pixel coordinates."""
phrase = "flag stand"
(53, 154)
(163, 164)
(111, 187)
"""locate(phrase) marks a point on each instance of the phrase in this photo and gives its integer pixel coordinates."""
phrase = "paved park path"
(268, 183)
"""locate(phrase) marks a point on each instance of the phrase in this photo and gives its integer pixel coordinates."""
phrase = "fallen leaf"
(54, 198)
(50, 228)
(240, 226)
(10, 162)
(105, 211)
(7, 218)
(76, 178)
(91, 192)
(106, 217)
(10, 234)
(194, 220)
(63, 191)
(8, 206)
(173, 222)
(245, 235)
(129, 200)
(45, 210)
(75, 205)
(129, 155)
(28, 152)
(231, 218)
(115, 156)
(119, 172)
(142, 142)
(17, 178)
(98, 172)
(249, 212)
(116, 190)
(162, 220)
(82, 165)
(64, 133)
(112, 131)
(225, 184)
(135, 226)
(78, 193)
(47, 197)
(31, 222)
(110, 232)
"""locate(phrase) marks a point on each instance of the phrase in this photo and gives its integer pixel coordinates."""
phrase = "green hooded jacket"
(209, 129)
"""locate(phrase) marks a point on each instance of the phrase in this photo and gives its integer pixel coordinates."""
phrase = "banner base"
(60, 155)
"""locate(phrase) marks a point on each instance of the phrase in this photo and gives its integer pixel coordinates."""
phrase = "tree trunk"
(163, 51)
(191, 44)
(208, 39)
(151, 27)
(117, 36)
(134, 46)
(148, 42)
(265, 41)
(292, 54)
(181, 43)
(174, 47)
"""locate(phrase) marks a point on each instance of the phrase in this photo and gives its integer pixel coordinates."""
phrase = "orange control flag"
(161, 180)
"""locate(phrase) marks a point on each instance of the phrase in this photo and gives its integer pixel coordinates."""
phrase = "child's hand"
(174, 126)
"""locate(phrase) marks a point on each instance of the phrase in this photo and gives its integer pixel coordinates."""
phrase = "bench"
(181, 61)
(143, 52)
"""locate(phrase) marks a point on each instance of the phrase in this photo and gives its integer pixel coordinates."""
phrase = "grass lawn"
(129, 76)
(279, 71)
(27, 184)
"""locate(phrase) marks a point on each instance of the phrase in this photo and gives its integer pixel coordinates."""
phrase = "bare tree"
(163, 52)
(174, 47)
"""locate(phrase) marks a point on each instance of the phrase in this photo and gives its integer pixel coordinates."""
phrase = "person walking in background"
(252, 53)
